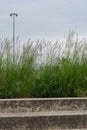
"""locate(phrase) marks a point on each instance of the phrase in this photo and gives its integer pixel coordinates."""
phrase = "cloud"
(46, 18)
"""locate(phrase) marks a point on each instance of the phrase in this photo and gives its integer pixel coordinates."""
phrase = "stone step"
(62, 120)
(42, 104)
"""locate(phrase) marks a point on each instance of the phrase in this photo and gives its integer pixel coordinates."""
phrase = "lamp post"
(14, 15)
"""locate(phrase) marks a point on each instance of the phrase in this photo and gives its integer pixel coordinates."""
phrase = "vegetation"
(44, 69)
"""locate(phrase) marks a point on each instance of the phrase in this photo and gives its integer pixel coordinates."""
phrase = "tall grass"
(44, 69)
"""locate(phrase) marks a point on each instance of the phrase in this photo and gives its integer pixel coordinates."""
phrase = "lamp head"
(14, 14)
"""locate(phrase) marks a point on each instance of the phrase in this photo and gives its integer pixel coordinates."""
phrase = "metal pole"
(14, 15)
(13, 34)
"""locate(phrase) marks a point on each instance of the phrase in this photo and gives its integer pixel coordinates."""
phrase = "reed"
(44, 68)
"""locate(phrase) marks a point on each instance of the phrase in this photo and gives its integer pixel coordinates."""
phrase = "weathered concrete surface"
(43, 121)
(44, 104)
(43, 114)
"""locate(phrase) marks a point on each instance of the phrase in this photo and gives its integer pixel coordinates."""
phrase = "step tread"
(38, 99)
(52, 113)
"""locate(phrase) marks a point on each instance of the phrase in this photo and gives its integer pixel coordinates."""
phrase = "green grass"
(44, 69)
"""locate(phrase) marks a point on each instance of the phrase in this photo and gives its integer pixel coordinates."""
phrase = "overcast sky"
(43, 18)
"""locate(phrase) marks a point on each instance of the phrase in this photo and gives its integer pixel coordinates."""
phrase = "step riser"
(36, 105)
(43, 122)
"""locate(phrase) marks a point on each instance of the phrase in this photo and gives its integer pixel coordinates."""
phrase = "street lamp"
(14, 15)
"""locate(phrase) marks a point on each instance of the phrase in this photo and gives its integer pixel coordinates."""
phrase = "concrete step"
(61, 120)
(42, 104)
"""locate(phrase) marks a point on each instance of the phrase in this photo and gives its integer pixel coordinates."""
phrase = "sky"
(48, 19)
